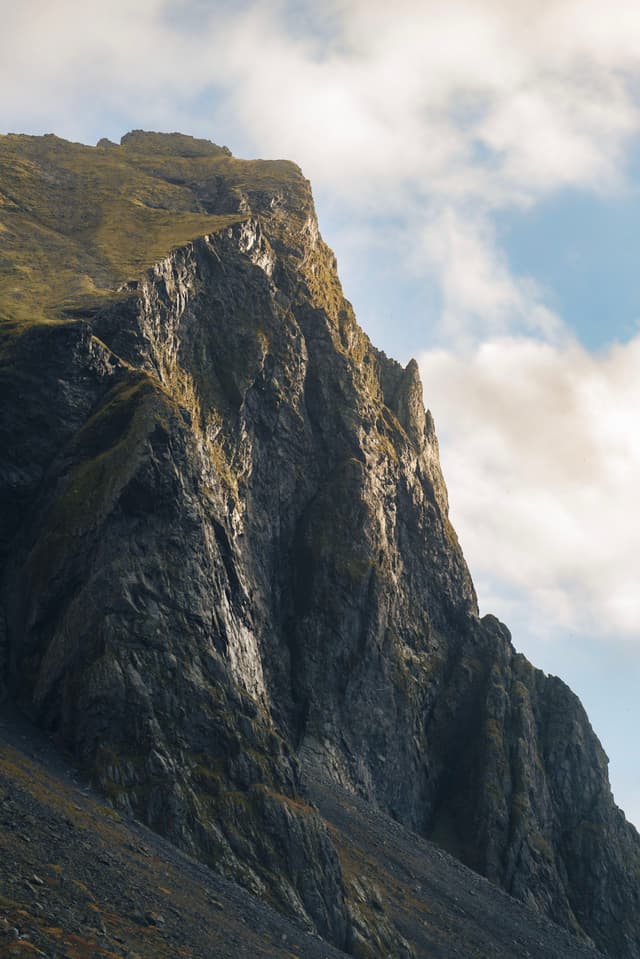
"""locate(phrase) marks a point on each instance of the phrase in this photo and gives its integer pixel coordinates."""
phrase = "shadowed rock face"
(226, 549)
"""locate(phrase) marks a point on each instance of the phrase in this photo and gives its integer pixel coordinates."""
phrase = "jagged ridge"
(226, 549)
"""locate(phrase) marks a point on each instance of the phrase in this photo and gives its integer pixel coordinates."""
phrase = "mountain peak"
(226, 559)
(171, 144)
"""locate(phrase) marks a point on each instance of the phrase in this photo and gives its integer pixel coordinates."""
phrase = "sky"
(476, 168)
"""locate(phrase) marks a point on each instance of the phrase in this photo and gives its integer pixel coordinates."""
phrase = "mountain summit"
(228, 578)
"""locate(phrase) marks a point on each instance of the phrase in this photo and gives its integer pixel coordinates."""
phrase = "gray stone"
(225, 548)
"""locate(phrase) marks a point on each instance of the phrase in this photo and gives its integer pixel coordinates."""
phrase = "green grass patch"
(77, 222)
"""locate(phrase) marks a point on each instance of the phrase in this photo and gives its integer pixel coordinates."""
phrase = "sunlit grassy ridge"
(77, 222)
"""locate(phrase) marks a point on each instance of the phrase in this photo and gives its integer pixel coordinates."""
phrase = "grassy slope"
(77, 222)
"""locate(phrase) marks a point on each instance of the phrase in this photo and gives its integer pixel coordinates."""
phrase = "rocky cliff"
(226, 554)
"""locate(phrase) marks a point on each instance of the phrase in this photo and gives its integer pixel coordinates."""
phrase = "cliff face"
(226, 551)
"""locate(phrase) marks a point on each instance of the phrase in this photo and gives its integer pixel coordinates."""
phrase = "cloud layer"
(489, 100)
(542, 454)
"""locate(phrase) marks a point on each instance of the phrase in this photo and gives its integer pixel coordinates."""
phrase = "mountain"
(229, 585)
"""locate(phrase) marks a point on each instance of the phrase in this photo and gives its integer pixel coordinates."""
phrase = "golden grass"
(78, 222)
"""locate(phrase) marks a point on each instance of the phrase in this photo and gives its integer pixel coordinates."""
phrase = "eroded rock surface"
(225, 546)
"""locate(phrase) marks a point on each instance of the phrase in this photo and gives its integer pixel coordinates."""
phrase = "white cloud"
(454, 97)
(542, 457)
(480, 294)
(491, 100)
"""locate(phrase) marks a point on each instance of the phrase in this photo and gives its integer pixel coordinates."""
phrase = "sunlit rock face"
(226, 551)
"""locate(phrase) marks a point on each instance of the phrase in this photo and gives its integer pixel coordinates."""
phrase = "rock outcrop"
(226, 551)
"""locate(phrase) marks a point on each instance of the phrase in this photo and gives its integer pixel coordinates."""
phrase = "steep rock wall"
(226, 548)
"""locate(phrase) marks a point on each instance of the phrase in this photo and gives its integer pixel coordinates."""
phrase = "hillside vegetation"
(77, 223)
